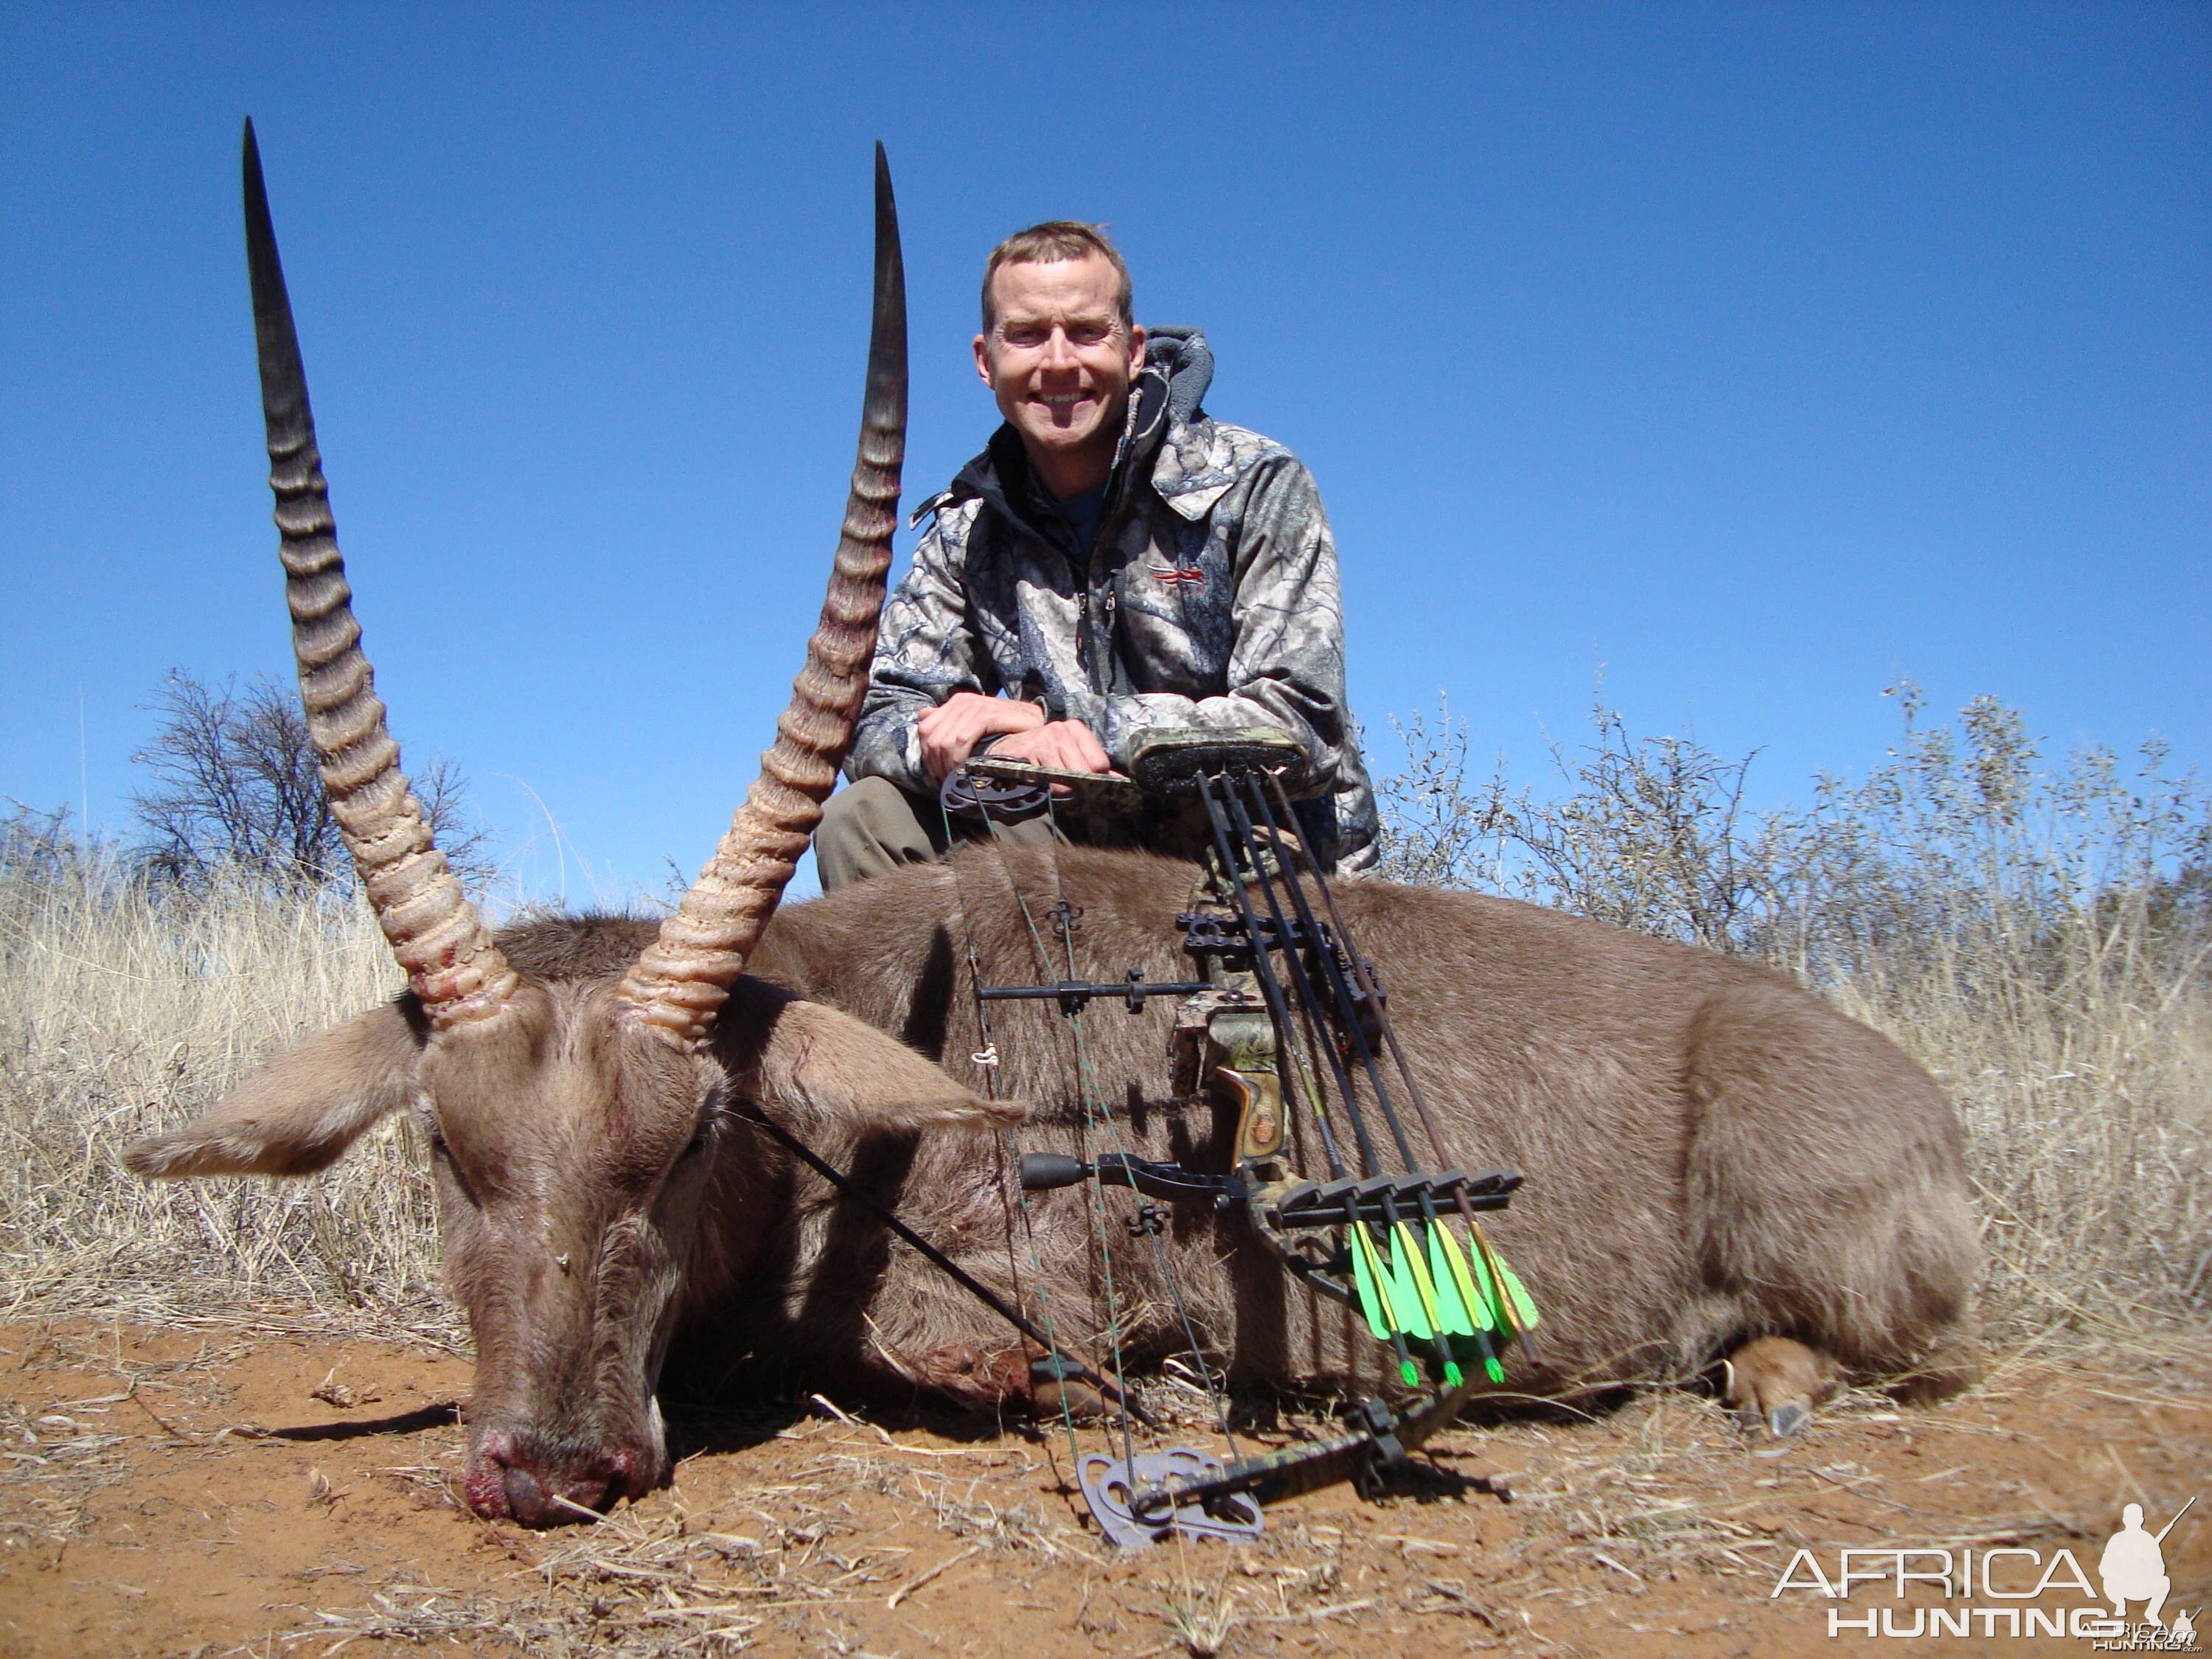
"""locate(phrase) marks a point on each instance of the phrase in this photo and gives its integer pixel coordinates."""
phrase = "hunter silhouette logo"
(2133, 1567)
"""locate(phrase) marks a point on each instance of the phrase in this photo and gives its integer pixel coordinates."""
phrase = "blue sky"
(1758, 354)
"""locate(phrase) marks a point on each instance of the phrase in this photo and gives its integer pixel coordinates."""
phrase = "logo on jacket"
(1170, 576)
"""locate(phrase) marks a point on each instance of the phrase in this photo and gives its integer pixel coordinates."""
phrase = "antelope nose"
(629, 1473)
(526, 1500)
(510, 1478)
(582, 1492)
(485, 1485)
(625, 1473)
(503, 1483)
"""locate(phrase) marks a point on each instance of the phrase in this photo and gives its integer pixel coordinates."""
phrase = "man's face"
(1060, 362)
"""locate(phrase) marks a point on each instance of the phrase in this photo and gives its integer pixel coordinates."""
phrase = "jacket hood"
(1178, 368)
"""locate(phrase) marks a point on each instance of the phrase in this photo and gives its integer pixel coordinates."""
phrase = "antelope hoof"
(1776, 1383)
(1069, 1396)
(1055, 1390)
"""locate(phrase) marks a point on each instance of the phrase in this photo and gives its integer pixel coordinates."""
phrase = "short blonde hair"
(1050, 243)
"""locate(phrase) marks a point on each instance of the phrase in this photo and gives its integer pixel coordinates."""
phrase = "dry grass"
(125, 1006)
(2087, 1101)
(827, 1534)
(793, 1563)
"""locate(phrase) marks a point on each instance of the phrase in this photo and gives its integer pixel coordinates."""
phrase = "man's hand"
(950, 730)
(1065, 745)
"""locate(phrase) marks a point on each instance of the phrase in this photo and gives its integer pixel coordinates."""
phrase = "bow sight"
(1285, 1018)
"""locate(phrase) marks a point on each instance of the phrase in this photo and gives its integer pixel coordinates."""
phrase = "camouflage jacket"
(1209, 598)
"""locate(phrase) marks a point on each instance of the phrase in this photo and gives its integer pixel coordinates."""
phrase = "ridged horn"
(679, 983)
(450, 959)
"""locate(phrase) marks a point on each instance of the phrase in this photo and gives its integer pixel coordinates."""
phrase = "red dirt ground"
(208, 1489)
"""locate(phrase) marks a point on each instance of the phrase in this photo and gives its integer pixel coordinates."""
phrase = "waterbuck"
(1718, 1166)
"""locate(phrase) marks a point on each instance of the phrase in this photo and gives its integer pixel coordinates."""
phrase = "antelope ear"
(820, 1067)
(298, 1113)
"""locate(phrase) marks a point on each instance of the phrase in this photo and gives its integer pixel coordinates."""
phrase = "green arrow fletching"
(1446, 1275)
(1472, 1299)
(1367, 1277)
(1415, 1307)
(1504, 1284)
(1523, 1303)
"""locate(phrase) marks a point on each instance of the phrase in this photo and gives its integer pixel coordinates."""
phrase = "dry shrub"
(127, 1004)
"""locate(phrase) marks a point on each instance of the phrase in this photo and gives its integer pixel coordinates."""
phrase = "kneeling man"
(1114, 562)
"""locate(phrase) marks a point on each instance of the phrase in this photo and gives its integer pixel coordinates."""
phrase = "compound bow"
(1286, 1009)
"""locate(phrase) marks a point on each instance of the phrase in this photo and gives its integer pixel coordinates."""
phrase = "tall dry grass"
(2088, 1116)
(126, 1004)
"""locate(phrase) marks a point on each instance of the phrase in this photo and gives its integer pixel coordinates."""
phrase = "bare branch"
(235, 788)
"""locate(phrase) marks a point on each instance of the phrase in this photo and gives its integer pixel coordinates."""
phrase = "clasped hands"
(951, 732)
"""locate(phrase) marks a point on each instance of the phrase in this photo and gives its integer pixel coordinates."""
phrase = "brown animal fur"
(1713, 1157)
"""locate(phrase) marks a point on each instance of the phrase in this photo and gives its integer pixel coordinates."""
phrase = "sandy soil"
(220, 1488)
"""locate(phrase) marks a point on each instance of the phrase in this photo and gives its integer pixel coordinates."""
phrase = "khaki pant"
(873, 825)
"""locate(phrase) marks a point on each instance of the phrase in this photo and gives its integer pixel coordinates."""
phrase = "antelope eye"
(693, 1146)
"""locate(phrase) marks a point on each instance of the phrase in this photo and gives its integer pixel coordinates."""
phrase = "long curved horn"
(679, 983)
(449, 958)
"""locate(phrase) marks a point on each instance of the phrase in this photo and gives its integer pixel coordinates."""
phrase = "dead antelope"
(1717, 1164)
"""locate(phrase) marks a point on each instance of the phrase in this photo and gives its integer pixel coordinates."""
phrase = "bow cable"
(1096, 1113)
(850, 1188)
(1150, 1229)
(1096, 1206)
(991, 1073)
